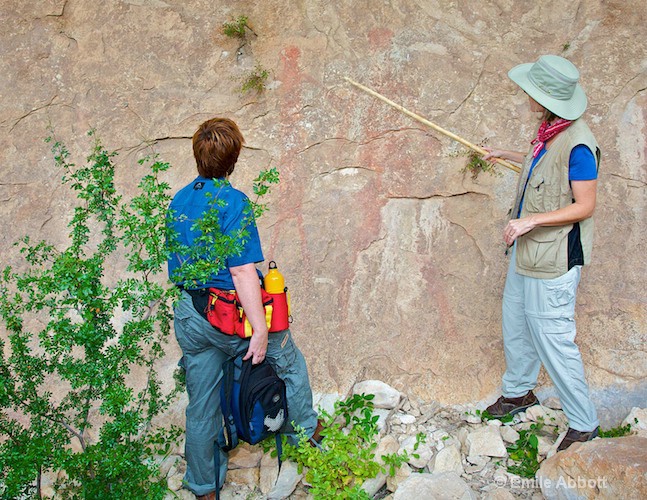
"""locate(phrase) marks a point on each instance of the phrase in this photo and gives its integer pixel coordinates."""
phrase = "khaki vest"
(543, 252)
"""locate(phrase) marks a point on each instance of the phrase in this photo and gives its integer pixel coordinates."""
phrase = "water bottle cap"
(272, 265)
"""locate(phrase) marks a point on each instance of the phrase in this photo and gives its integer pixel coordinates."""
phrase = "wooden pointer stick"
(419, 118)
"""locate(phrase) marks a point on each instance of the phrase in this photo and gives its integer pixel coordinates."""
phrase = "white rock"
(498, 494)
(383, 417)
(447, 460)
(508, 434)
(423, 451)
(548, 416)
(401, 474)
(444, 485)
(245, 457)
(552, 403)
(407, 419)
(287, 481)
(269, 473)
(386, 446)
(544, 445)
(245, 477)
(470, 416)
(326, 401)
(637, 419)
(461, 435)
(486, 441)
(385, 395)
(180, 495)
(478, 460)
(374, 484)
(167, 464)
(175, 482)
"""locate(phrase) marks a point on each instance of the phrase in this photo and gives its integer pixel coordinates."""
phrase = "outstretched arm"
(504, 154)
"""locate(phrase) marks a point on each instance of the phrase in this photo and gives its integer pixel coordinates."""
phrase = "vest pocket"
(541, 196)
(537, 249)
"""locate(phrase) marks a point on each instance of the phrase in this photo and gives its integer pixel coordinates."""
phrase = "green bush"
(70, 324)
(346, 457)
(59, 316)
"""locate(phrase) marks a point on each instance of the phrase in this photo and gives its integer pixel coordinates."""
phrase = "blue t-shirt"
(234, 214)
(581, 166)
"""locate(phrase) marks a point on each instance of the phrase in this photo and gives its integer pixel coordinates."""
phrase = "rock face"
(392, 254)
(603, 468)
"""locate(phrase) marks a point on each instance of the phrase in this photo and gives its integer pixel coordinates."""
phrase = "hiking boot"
(316, 437)
(208, 496)
(573, 436)
(505, 406)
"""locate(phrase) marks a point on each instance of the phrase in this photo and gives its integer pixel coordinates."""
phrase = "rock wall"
(393, 255)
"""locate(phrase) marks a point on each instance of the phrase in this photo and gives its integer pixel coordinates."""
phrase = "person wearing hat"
(550, 235)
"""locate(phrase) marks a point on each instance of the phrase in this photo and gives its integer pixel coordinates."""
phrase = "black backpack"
(253, 401)
(254, 406)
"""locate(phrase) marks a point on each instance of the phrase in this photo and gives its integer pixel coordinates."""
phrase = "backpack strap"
(216, 463)
(279, 448)
(228, 425)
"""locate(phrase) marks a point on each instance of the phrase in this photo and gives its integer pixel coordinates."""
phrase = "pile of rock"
(462, 457)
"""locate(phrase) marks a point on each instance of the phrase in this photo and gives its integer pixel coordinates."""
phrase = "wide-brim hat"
(552, 81)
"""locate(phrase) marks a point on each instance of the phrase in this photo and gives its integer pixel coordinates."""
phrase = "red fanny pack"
(226, 314)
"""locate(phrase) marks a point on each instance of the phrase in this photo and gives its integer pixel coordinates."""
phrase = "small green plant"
(346, 459)
(621, 430)
(255, 80)
(486, 415)
(476, 164)
(395, 460)
(566, 46)
(525, 451)
(236, 28)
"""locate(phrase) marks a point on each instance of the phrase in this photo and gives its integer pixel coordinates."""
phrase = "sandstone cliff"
(393, 255)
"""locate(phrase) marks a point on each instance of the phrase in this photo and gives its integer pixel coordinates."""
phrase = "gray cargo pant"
(539, 328)
(205, 350)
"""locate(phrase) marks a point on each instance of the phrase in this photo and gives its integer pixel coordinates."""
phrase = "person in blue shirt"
(550, 235)
(216, 146)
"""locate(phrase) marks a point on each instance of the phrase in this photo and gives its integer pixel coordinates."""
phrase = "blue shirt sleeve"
(238, 216)
(581, 165)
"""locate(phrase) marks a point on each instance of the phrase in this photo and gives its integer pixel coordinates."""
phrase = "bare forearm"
(249, 294)
(504, 154)
(584, 193)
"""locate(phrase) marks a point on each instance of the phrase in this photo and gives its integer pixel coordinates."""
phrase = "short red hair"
(216, 146)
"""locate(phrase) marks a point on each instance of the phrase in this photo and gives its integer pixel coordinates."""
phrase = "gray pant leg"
(290, 365)
(204, 350)
(550, 306)
(522, 361)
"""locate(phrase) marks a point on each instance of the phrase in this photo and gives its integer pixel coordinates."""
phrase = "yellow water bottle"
(274, 282)
(275, 287)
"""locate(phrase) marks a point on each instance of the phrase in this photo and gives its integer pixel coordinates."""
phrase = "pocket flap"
(536, 181)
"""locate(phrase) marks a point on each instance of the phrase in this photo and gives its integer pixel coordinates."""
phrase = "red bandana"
(546, 132)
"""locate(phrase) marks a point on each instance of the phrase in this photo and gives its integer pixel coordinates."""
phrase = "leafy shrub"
(59, 316)
(61, 323)
(346, 457)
